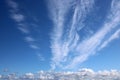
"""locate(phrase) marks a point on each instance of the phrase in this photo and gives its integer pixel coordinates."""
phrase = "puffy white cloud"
(82, 74)
(29, 75)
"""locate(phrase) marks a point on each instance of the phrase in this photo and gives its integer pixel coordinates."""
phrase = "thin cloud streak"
(68, 51)
(112, 37)
(58, 12)
(61, 46)
(90, 46)
(21, 20)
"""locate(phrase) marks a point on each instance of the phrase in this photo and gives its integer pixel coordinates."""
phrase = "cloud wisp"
(68, 51)
(21, 20)
(27, 28)
(112, 37)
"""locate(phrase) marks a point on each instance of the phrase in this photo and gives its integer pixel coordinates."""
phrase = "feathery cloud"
(112, 37)
(89, 46)
(61, 46)
(68, 51)
(21, 20)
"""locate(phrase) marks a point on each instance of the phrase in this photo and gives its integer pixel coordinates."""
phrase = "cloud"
(68, 51)
(40, 57)
(61, 46)
(23, 30)
(18, 17)
(12, 5)
(90, 46)
(23, 24)
(29, 39)
(112, 37)
(29, 75)
(83, 74)
(33, 46)
(0, 76)
(15, 12)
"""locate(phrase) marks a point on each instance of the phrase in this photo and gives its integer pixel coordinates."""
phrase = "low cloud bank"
(83, 74)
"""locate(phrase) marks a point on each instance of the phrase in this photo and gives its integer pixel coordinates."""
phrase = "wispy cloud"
(18, 17)
(68, 51)
(40, 57)
(29, 39)
(59, 9)
(58, 12)
(21, 20)
(89, 46)
(112, 37)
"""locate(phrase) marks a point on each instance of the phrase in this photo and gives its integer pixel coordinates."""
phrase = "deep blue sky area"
(59, 35)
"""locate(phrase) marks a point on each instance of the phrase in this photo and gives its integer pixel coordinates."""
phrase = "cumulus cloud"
(82, 74)
(68, 51)
(29, 75)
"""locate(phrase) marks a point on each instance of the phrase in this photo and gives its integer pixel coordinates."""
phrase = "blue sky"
(59, 35)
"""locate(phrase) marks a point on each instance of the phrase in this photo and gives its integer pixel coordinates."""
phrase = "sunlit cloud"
(82, 74)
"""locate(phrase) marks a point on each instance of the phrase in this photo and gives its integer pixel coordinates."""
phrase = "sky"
(59, 35)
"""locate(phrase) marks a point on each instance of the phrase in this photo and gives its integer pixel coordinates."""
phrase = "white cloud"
(40, 57)
(58, 12)
(68, 51)
(33, 46)
(61, 46)
(29, 39)
(18, 17)
(23, 30)
(112, 37)
(83, 74)
(15, 13)
(89, 46)
(12, 4)
(29, 75)
(0, 76)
